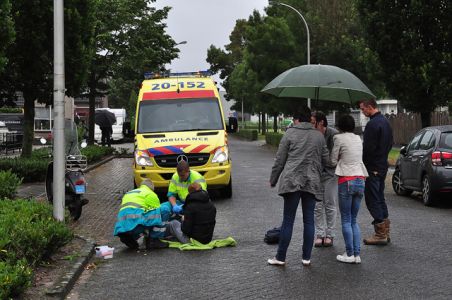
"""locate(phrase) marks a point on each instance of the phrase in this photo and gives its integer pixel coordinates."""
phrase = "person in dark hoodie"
(198, 220)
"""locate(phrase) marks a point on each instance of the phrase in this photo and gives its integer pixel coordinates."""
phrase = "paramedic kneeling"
(178, 187)
(140, 212)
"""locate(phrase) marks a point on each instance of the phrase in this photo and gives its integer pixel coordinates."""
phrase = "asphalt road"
(416, 265)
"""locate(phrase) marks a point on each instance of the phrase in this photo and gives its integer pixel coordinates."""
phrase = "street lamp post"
(59, 159)
(307, 32)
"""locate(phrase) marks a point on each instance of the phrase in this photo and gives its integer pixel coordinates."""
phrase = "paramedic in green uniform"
(178, 187)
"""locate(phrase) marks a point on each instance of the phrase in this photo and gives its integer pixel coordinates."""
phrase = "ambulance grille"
(170, 161)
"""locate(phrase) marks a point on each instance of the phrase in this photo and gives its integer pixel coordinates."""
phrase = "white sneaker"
(346, 259)
(357, 259)
(305, 262)
(275, 262)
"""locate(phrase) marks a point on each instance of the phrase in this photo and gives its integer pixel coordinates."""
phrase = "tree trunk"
(275, 123)
(92, 107)
(264, 124)
(29, 119)
(425, 119)
(259, 123)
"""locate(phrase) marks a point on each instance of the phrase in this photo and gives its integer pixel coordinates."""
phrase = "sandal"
(319, 242)
(328, 241)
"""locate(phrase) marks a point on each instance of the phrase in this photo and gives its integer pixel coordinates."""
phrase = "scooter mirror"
(43, 141)
(83, 144)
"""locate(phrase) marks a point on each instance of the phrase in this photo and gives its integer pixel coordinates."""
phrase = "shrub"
(250, 134)
(28, 230)
(9, 182)
(273, 138)
(95, 153)
(42, 153)
(14, 278)
(30, 169)
(28, 234)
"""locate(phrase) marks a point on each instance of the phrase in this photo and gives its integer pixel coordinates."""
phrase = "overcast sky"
(202, 23)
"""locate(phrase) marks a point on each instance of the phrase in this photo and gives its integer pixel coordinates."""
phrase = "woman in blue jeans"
(301, 156)
(347, 155)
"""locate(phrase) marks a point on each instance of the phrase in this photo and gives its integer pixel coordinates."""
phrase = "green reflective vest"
(176, 187)
(141, 198)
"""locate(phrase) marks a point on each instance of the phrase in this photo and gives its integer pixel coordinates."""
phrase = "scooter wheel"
(75, 208)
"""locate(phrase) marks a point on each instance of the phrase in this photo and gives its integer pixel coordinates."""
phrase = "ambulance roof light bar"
(151, 75)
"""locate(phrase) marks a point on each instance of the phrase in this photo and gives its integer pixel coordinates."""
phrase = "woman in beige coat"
(347, 155)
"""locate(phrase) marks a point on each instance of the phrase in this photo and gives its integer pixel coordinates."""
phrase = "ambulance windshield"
(179, 115)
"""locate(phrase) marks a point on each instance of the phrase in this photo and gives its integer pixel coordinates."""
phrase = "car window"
(446, 140)
(414, 142)
(425, 142)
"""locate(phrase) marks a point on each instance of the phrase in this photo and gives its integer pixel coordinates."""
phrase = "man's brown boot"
(387, 225)
(379, 238)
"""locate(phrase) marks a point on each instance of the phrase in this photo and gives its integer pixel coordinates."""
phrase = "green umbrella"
(319, 82)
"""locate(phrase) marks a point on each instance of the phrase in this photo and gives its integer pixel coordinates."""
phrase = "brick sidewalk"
(106, 185)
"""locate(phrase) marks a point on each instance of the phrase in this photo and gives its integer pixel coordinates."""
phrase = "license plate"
(79, 189)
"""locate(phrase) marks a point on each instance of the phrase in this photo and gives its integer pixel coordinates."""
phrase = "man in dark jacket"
(198, 221)
(377, 142)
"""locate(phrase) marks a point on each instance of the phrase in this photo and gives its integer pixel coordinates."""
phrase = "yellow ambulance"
(179, 117)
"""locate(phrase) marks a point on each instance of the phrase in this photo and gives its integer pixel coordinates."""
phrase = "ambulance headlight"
(221, 155)
(142, 158)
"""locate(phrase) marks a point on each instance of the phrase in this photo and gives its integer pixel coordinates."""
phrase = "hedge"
(34, 169)
(250, 134)
(28, 235)
(95, 153)
(273, 138)
(10, 110)
(30, 169)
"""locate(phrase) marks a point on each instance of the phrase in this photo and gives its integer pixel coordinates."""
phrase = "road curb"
(64, 284)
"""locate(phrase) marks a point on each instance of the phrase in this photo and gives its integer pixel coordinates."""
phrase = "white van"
(118, 133)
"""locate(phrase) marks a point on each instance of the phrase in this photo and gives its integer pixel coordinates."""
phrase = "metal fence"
(405, 125)
(10, 142)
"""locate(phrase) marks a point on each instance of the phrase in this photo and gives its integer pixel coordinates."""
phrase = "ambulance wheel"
(227, 191)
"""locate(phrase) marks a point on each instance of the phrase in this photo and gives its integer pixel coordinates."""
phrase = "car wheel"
(397, 184)
(227, 191)
(427, 194)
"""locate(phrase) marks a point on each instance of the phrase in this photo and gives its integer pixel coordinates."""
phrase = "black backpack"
(272, 235)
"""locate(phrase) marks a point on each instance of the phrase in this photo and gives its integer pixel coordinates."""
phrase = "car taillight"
(446, 155)
(439, 156)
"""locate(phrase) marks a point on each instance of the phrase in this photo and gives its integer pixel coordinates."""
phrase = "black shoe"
(155, 244)
(129, 241)
(84, 201)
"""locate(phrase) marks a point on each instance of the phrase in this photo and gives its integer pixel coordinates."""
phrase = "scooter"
(75, 182)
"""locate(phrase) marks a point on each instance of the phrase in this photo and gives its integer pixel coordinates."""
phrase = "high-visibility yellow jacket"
(142, 198)
(140, 206)
(180, 189)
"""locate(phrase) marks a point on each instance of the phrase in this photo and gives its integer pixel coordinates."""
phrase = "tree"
(6, 31)
(30, 57)
(130, 39)
(412, 40)
(224, 62)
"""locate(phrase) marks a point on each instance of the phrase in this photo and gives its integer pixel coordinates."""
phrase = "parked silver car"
(425, 164)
